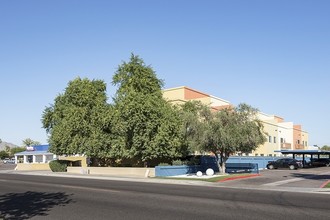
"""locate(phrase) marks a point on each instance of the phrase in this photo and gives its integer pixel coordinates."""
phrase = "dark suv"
(320, 162)
(290, 163)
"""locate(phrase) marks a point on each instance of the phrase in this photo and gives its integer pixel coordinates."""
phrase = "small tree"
(326, 147)
(15, 150)
(228, 131)
(29, 142)
(3, 154)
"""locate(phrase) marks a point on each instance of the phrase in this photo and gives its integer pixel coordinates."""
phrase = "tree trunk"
(221, 162)
(218, 161)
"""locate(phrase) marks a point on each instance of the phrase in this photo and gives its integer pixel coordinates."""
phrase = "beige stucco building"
(184, 94)
(281, 135)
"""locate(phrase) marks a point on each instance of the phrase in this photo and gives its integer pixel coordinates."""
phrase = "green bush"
(58, 165)
(163, 164)
(177, 163)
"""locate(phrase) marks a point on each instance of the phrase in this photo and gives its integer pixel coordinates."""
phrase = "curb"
(239, 177)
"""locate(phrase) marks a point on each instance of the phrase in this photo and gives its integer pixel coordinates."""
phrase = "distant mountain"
(3, 145)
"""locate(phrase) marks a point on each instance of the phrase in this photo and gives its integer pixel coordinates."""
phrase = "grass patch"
(212, 179)
(327, 185)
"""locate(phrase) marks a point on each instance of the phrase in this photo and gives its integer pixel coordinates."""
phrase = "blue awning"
(28, 153)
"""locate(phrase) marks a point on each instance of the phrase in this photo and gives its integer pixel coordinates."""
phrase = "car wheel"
(270, 167)
(292, 167)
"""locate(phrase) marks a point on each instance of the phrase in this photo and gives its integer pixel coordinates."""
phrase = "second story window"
(274, 139)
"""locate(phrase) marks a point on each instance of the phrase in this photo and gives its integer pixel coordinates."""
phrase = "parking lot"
(305, 178)
(7, 166)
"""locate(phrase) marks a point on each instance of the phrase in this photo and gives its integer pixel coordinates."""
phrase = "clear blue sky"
(273, 55)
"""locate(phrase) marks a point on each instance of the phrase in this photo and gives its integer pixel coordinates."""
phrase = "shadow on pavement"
(29, 204)
(311, 176)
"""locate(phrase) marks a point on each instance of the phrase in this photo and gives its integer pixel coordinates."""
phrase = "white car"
(7, 160)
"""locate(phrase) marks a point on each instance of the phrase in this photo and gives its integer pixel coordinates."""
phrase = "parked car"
(290, 163)
(320, 162)
(9, 160)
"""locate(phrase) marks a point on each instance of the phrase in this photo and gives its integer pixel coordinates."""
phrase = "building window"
(282, 140)
(298, 141)
(256, 155)
(274, 139)
(306, 143)
(270, 139)
(262, 155)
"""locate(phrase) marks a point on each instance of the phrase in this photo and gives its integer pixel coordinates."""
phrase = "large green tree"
(79, 121)
(226, 131)
(146, 125)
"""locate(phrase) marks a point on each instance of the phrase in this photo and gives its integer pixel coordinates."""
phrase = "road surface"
(42, 197)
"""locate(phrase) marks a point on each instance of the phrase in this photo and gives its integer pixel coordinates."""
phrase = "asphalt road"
(42, 197)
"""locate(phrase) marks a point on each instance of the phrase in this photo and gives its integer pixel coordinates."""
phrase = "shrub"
(58, 165)
(163, 164)
(177, 162)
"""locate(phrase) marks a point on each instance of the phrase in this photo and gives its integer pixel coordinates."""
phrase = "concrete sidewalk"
(109, 177)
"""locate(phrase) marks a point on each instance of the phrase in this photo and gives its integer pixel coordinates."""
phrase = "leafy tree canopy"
(141, 126)
(325, 147)
(79, 120)
(136, 77)
(146, 124)
(226, 131)
(4, 154)
(15, 150)
(29, 142)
